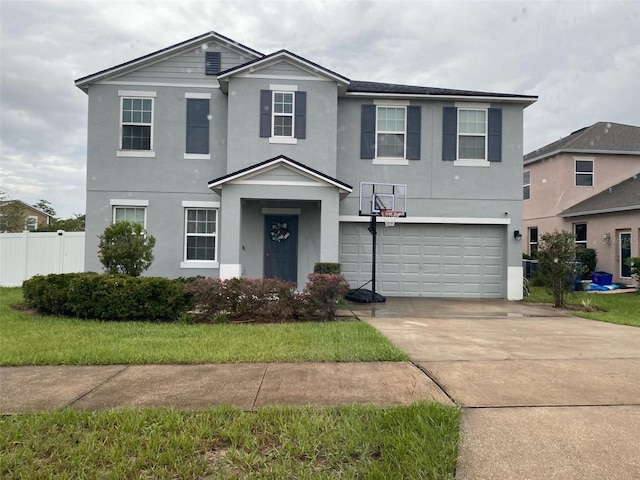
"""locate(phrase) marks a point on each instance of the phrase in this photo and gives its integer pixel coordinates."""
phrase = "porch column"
(229, 237)
(329, 228)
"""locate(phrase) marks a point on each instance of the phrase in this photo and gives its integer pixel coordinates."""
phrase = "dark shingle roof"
(391, 88)
(623, 196)
(599, 137)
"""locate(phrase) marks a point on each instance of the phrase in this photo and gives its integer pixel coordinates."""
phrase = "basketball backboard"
(376, 197)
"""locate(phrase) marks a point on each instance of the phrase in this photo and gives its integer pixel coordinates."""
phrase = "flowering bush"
(322, 293)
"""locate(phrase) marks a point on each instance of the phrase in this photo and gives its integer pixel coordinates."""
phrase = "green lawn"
(35, 340)
(419, 441)
(622, 308)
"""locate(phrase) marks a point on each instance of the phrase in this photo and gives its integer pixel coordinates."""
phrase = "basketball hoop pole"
(374, 233)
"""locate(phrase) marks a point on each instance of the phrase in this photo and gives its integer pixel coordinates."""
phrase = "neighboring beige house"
(33, 217)
(587, 183)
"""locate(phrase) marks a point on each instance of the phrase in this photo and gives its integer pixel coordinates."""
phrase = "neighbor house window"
(129, 214)
(584, 173)
(580, 231)
(390, 132)
(472, 134)
(201, 233)
(533, 241)
(526, 185)
(31, 223)
(198, 120)
(283, 108)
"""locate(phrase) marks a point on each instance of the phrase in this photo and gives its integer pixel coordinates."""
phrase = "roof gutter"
(526, 100)
(596, 212)
(581, 152)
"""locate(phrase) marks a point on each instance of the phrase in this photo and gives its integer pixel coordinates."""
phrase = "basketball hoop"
(390, 217)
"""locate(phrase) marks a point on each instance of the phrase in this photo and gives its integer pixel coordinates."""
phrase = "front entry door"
(625, 252)
(281, 247)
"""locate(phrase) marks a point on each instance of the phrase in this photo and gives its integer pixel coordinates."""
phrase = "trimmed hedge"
(333, 268)
(106, 297)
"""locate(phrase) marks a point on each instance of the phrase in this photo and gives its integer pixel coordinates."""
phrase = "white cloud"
(581, 57)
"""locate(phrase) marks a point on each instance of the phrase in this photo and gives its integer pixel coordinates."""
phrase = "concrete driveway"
(544, 395)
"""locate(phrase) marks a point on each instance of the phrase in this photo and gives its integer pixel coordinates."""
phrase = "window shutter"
(368, 131)
(197, 126)
(414, 130)
(495, 135)
(449, 132)
(265, 113)
(301, 115)
(212, 63)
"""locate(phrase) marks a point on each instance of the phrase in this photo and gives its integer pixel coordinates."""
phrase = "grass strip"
(29, 339)
(355, 442)
(620, 308)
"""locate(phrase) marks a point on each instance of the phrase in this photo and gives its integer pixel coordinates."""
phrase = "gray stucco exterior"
(247, 177)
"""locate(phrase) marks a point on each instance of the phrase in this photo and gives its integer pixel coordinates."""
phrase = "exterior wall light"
(606, 239)
(517, 235)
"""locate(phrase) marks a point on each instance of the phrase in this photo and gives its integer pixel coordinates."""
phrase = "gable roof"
(217, 183)
(163, 53)
(283, 55)
(601, 137)
(386, 89)
(619, 198)
(25, 206)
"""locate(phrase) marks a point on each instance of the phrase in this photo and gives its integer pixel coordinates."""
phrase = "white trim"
(230, 270)
(202, 95)
(135, 153)
(471, 163)
(443, 97)
(592, 173)
(472, 105)
(281, 211)
(448, 220)
(280, 183)
(197, 156)
(390, 161)
(199, 264)
(391, 103)
(514, 283)
(199, 204)
(157, 84)
(284, 88)
(283, 140)
(121, 202)
(391, 132)
(137, 93)
(604, 210)
(282, 77)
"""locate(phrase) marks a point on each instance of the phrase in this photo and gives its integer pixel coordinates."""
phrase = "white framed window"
(472, 134)
(136, 123)
(533, 241)
(391, 122)
(526, 185)
(201, 232)
(283, 108)
(130, 214)
(31, 223)
(584, 172)
(580, 231)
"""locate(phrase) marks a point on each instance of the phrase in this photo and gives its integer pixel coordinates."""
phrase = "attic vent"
(212, 63)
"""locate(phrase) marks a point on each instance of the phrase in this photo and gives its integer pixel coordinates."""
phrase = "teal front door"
(281, 247)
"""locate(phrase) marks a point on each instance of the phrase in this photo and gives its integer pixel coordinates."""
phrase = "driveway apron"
(544, 395)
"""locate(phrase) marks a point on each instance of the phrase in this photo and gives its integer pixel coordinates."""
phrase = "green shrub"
(588, 257)
(327, 267)
(322, 293)
(634, 263)
(126, 248)
(556, 255)
(106, 297)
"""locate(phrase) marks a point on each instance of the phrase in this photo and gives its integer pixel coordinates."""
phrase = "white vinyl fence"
(23, 255)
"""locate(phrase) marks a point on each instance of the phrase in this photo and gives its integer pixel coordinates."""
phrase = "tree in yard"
(556, 263)
(125, 247)
(72, 224)
(46, 207)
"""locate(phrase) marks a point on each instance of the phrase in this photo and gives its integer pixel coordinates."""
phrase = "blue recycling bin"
(602, 278)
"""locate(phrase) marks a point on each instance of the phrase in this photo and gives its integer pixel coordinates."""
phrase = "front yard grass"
(29, 339)
(418, 441)
(621, 308)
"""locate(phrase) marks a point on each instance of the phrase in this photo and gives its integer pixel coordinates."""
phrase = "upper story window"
(283, 114)
(136, 123)
(526, 185)
(584, 172)
(390, 132)
(472, 134)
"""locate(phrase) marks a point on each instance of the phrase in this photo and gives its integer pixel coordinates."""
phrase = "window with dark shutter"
(197, 126)
(449, 133)
(494, 151)
(212, 63)
(368, 132)
(414, 127)
(265, 113)
(301, 115)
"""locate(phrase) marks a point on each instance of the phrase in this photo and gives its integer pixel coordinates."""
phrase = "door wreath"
(279, 232)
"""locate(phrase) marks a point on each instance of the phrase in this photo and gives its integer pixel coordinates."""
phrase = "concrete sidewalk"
(246, 385)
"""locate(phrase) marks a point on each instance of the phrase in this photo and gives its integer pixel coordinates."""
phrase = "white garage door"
(431, 260)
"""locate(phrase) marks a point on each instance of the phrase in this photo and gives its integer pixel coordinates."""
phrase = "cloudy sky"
(581, 57)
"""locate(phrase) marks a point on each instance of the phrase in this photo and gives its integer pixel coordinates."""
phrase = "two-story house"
(587, 183)
(244, 164)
